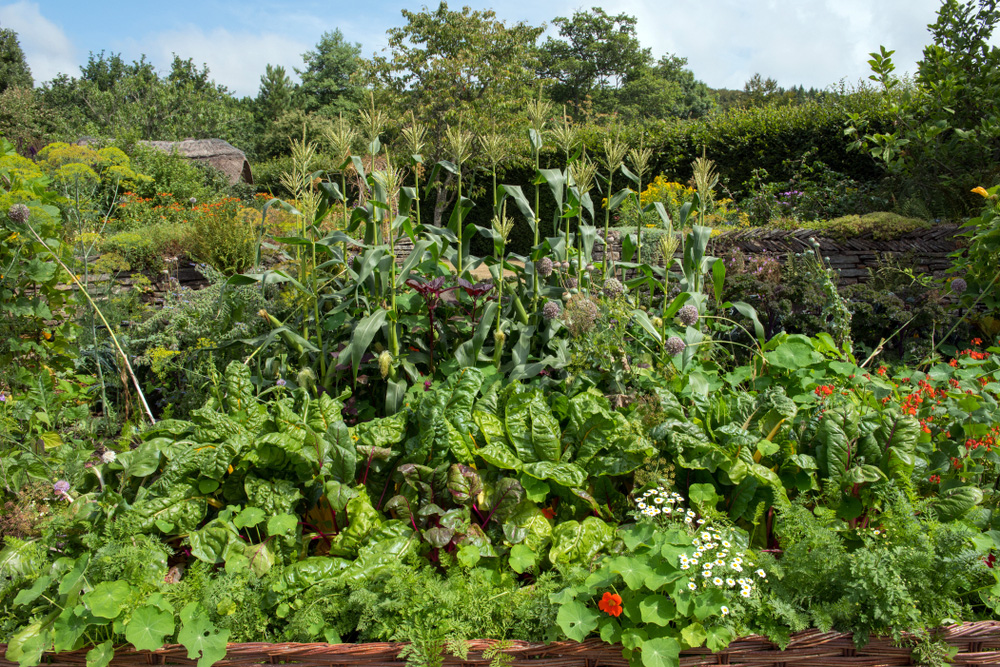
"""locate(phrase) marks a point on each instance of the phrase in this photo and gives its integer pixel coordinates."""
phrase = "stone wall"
(923, 250)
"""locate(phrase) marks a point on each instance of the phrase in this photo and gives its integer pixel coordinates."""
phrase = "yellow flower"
(981, 191)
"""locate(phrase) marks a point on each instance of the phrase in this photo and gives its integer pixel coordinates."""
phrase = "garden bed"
(977, 644)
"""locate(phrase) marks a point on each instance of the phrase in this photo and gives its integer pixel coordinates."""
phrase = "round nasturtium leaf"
(107, 598)
(148, 627)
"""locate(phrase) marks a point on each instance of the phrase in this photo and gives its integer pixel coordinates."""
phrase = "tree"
(947, 124)
(275, 95)
(14, 69)
(667, 90)
(596, 53)
(112, 98)
(449, 67)
(457, 68)
(327, 83)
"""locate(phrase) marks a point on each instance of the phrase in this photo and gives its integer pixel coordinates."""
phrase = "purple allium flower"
(613, 288)
(281, 382)
(544, 267)
(688, 315)
(674, 346)
(551, 310)
(958, 286)
(18, 213)
(61, 487)
(571, 282)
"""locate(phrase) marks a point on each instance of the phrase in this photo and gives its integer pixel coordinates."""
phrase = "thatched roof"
(220, 154)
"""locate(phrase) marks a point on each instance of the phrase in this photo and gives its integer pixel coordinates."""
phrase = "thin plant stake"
(114, 339)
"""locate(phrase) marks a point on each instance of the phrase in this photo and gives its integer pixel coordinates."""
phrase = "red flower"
(990, 560)
(548, 513)
(611, 604)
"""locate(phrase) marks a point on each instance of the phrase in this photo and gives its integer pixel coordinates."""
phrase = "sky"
(814, 43)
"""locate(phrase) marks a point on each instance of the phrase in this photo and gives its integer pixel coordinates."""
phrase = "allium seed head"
(18, 213)
(551, 310)
(613, 288)
(958, 286)
(674, 346)
(544, 267)
(688, 315)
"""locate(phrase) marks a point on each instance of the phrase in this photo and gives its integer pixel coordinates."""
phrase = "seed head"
(108, 456)
(688, 315)
(613, 288)
(544, 267)
(18, 213)
(551, 310)
(674, 346)
(61, 487)
(958, 286)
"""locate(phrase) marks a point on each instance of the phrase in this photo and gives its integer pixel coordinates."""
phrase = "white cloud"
(46, 47)
(235, 59)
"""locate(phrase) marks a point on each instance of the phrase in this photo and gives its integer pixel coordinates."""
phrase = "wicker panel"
(978, 645)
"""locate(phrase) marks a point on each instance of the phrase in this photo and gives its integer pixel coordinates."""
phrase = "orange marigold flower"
(611, 604)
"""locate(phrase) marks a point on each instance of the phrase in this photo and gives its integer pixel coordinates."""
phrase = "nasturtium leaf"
(611, 630)
(521, 558)
(576, 620)
(469, 555)
(100, 655)
(719, 637)
(662, 574)
(208, 486)
(249, 517)
(535, 490)
(661, 652)
(107, 598)
(200, 637)
(657, 609)
(636, 534)
(708, 604)
(633, 570)
(68, 628)
(148, 627)
(694, 635)
(282, 524)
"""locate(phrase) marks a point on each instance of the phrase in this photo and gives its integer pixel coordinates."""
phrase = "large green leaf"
(200, 637)
(956, 502)
(107, 598)
(531, 428)
(148, 627)
(661, 652)
(576, 620)
(578, 543)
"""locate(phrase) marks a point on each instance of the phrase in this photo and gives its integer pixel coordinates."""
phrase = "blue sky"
(815, 43)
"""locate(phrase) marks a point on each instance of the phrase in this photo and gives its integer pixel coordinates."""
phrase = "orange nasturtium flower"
(611, 604)
(981, 191)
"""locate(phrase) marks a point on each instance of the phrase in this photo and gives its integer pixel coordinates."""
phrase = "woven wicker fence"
(978, 644)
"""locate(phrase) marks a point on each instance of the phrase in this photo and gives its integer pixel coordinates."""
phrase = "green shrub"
(882, 226)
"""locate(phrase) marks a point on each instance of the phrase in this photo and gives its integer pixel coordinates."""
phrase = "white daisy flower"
(707, 566)
(690, 513)
(687, 519)
(694, 561)
(700, 521)
(667, 510)
(648, 493)
(726, 544)
(641, 505)
(720, 562)
(730, 582)
(725, 610)
(745, 592)
(692, 586)
(706, 536)
(685, 566)
(738, 568)
(706, 574)
(738, 560)
(717, 581)
(761, 573)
